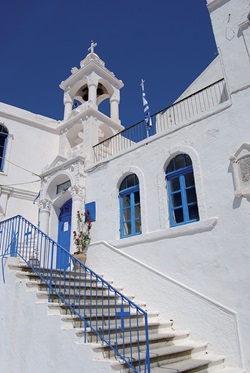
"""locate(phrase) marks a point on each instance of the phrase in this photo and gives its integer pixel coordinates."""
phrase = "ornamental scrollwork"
(245, 168)
(77, 190)
(45, 204)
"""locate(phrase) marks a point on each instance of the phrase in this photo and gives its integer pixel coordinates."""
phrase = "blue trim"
(62, 259)
(3, 150)
(91, 206)
(130, 220)
(179, 207)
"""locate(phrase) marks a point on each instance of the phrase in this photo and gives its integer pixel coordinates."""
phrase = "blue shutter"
(92, 210)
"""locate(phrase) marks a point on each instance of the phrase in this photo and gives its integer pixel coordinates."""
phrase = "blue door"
(64, 233)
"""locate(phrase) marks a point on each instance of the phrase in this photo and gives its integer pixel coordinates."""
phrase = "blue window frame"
(130, 208)
(3, 143)
(183, 207)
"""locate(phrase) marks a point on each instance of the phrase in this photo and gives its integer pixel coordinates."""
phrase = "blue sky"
(167, 43)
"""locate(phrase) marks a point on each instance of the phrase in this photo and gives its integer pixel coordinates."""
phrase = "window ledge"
(178, 231)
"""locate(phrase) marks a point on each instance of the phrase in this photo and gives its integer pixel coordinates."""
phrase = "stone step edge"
(153, 338)
(164, 352)
(161, 326)
(207, 360)
(65, 318)
(39, 282)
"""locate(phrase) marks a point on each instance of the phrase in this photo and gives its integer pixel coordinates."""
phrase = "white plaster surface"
(33, 341)
(233, 42)
(30, 146)
(210, 258)
(187, 308)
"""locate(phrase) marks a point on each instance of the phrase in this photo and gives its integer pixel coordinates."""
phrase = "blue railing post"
(13, 248)
(147, 361)
(51, 271)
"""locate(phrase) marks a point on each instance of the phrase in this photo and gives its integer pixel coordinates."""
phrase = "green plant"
(82, 234)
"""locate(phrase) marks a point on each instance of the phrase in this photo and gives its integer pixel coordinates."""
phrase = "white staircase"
(171, 350)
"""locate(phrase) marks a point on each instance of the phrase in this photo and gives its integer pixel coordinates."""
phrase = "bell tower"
(91, 84)
(84, 125)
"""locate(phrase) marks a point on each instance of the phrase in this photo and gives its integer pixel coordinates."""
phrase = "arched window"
(130, 209)
(3, 142)
(183, 206)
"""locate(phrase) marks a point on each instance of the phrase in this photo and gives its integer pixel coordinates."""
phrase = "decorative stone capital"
(92, 79)
(67, 98)
(64, 131)
(77, 191)
(45, 204)
(115, 96)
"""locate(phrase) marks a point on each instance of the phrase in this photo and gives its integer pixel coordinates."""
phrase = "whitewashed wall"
(31, 145)
(232, 34)
(210, 256)
(32, 340)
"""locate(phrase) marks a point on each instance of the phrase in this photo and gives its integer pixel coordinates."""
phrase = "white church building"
(170, 211)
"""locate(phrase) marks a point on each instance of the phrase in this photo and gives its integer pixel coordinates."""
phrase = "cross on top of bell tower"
(92, 47)
(142, 84)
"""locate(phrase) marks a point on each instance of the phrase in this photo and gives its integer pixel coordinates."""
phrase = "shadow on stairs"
(171, 350)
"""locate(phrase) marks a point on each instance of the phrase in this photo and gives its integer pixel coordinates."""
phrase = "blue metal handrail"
(102, 310)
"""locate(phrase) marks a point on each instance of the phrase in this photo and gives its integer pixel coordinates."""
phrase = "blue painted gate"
(64, 233)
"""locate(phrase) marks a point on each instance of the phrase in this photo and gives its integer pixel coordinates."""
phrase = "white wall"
(210, 256)
(33, 341)
(206, 319)
(32, 143)
(232, 34)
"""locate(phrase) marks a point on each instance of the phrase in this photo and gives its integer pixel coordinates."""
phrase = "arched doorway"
(64, 233)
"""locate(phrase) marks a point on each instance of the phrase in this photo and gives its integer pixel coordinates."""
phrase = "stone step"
(68, 280)
(203, 364)
(86, 300)
(71, 286)
(156, 341)
(112, 332)
(102, 321)
(164, 355)
(58, 274)
(59, 308)
(75, 290)
(170, 351)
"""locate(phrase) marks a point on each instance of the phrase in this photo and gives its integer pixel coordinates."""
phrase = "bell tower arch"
(91, 84)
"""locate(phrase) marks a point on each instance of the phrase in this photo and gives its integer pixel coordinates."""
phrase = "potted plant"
(82, 236)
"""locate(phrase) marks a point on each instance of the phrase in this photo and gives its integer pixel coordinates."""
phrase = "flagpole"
(147, 117)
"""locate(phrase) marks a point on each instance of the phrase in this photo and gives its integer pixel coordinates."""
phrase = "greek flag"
(147, 116)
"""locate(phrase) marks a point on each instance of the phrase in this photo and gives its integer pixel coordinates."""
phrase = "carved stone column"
(114, 106)
(68, 102)
(45, 206)
(78, 197)
(92, 81)
(63, 142)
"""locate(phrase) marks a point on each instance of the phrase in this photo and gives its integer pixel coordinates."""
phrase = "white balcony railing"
(177, 114)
